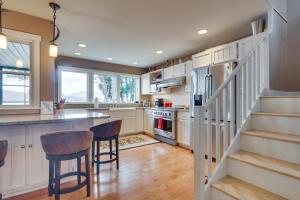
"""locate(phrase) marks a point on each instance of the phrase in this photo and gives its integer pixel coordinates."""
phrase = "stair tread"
(281, 97)
(242, 190)
(277, 114)
(268, 163)
(273, 135)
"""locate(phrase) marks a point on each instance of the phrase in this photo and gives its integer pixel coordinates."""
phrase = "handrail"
(234, 73)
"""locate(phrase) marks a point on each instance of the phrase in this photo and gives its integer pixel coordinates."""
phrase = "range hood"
(171, 83)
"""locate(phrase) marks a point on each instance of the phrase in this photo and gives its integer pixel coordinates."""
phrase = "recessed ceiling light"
(82, 45)
(159, 52)
(77, 53)
(201, 32)
(135, 63)
(109, 58)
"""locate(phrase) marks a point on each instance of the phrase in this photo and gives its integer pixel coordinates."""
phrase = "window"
(74, 86)
(15, 74)
(19, 70)
(84, 86)
(129, 89)
(105, 88)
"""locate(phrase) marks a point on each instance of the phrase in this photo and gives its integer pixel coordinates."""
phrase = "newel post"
(199, 149)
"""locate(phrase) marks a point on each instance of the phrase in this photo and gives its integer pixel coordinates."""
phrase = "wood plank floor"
(153, 172)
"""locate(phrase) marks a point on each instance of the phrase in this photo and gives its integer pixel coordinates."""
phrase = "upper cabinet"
(145, 84)
(224, 53)
(168, 73)
(202, 59)
(216, 55)
(175, 71)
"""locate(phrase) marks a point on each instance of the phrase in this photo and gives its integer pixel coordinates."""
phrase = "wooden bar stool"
(106, 132)
(67, 146)
(3, 152)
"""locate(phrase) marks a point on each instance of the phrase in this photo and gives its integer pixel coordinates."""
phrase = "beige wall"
(34, 25)
(293, 51)
(96, 65)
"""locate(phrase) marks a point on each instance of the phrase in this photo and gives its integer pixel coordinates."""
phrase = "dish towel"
(160, 123)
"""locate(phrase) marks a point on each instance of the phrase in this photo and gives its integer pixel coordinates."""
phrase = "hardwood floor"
(153, 172)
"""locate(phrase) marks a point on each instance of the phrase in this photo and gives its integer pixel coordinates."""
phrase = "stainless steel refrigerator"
(204, 82)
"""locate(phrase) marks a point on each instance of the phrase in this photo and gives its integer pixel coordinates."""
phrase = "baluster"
(244, 95)
(248, 87)
(254, 64)
(239, 99)
(225, 121)
(218, 131)
(258, 68)
(232, 109)
(209, 142)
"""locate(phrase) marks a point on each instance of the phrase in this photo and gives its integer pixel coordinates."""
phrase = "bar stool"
(3, 152)
(67, 146)
(106, 132)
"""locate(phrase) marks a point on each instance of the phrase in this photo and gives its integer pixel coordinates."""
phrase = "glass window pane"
(15, 76)
(128, 89)
(105, 88)
(74, 86)
(15, 95)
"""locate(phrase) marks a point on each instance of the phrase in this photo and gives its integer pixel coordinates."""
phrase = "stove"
(165, 125)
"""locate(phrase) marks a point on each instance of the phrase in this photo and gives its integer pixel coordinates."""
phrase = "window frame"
(34, 73)
(90, 85)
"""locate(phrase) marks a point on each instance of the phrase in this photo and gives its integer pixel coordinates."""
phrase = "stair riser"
(278, 124)
(218, 195)
(287, 151)
(274, 182)
(280, 105)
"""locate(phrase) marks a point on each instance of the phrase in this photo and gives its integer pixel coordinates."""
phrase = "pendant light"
(3, 38)
(53, 47)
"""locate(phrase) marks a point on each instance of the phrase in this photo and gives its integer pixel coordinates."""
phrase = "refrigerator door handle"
(206, 92)
(211, 84)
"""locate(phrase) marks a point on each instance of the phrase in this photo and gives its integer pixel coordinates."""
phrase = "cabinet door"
(139, 120)
(99, 121)
(183, 129)
(145, 84)
(202, 59)
(37, 164)
(13, 173)
(129, 125)
(225, 53)
(168, 73)
(189, 68)
(180, 70)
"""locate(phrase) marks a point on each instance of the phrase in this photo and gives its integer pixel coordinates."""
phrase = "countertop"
(59, 116)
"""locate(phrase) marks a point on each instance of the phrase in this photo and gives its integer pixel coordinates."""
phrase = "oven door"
(165, 127)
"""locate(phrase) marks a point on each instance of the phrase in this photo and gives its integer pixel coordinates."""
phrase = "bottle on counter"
(96, 103)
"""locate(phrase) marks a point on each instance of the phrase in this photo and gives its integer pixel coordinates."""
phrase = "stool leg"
(79, 170)
(87, 171)
(51, 174)
(93, 153)
(98, 157)
(110, 148)
(117, 152)
(57, 180)
(0, 196)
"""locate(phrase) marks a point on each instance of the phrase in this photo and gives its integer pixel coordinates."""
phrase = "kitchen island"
(26, 167)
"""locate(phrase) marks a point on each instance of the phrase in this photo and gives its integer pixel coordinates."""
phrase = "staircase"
(267, 165)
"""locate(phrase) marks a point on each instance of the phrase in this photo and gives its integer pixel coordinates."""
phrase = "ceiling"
(131, 31)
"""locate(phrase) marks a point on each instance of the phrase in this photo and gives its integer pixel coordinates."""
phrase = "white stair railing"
(238, 95)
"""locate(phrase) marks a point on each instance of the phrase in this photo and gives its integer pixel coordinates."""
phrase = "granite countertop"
(61, 115)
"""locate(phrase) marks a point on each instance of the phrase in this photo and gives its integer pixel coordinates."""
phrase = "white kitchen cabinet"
(139, 120)
(13, 173)
(179, 70)
(189, 68)
(99, 121)
(183, 129)
(145, 84)
(129, 125)
(202, 59)
(168, 73)
(148, 121)
(224, 53)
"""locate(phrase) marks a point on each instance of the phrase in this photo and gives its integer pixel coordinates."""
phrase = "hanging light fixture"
(53, 47)
(3, 38)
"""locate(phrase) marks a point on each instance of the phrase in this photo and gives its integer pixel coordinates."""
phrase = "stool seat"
(64, 143)
(63, 146)
(106, 132)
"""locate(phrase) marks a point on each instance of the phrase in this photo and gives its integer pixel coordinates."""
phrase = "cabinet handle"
(23, 146)
(30, 146)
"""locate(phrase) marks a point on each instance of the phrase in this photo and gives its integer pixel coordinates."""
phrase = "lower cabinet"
(26, 166)
(148, 121)
(183, 129)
